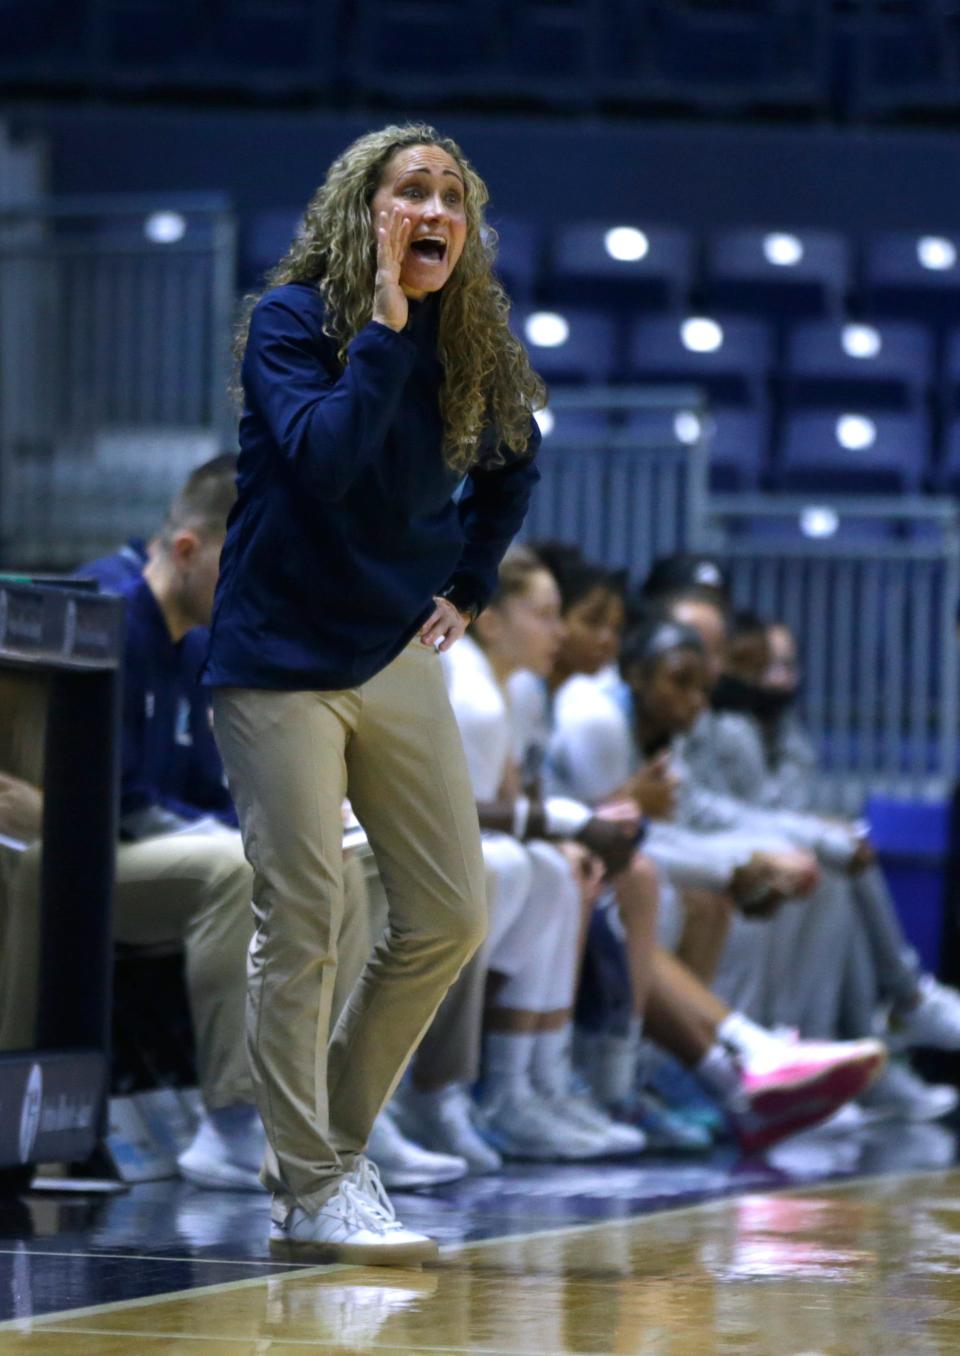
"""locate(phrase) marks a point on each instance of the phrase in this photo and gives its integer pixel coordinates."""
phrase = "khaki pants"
(393, 746)
(184, 889)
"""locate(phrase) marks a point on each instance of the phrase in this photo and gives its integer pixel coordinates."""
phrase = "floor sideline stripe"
(46, 1321)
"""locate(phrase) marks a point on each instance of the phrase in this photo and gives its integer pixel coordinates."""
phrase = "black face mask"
(766, 703)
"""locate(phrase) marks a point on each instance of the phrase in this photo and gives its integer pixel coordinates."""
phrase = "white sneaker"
(405, 1164)
(357, 1224)
(900, 1095)
(222, 1161)
(934, 1022)
(851, 1119)
(443, 1121)
(583, 1113)
(521, 1125)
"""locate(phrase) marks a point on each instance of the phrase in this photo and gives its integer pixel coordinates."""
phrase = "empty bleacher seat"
(570, 345)
(951, 372)
(721, 58)
(574, 428)
(550, 45)
(728, 356)
(268, 47)
(870, 450)
(265, 238)
(736, 439)
(948, 473)
(817, 523)
(517, 261)
(396, 43)
(912, 273)
(796, 272)
(883, 365)
(625, 264)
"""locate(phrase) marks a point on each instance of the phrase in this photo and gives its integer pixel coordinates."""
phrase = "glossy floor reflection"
(831, 1267)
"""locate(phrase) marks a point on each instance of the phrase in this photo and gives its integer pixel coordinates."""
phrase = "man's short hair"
(205, 499)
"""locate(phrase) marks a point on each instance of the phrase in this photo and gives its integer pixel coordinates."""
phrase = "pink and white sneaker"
(800, 1085)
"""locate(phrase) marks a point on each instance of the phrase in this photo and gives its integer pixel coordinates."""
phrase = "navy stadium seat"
(268, 47)
(583, 348)
(817, 523)
(574, 428)
(624, 264)
(736, 439)
(790, 272)
(831, 363)
(264, 240)
(721, 58)
(910, 273)
(948, 473)
(517, 256)
(550, 46)
(867, 450)
(396, 43)
(951, 372)
(728, 356)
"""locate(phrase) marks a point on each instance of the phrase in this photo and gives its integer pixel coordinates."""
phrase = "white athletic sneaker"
(934, 1022)
(851, 1119)
(522, 1125)
(222, 1161)
(901, 1095)
(443, 1121)
(357, 1224)
(405, 1164)
(581, 1112)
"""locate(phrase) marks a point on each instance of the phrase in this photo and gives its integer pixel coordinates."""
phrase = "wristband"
(521, 817)
(564, 817)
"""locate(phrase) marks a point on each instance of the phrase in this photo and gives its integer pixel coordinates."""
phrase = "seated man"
(182, 877)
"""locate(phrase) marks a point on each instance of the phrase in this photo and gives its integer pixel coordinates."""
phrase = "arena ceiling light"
(546, 329)
(626, 243)
(856, 432)
(819, 521)
(699, 334)
(936, 252)
(165, 228)
(687, 427)
(545, 421)
(782, 250)
(861, 341)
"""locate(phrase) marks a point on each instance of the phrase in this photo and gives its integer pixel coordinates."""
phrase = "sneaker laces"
(364, 1187)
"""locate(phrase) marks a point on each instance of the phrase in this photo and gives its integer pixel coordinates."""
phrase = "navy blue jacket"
(169, 760)
(345, 526)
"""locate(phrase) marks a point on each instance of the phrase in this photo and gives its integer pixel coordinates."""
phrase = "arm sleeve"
(492, 509)
(695, 860)
(328, 424)
(713, 812)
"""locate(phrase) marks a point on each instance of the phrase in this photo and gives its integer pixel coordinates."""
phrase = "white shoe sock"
(508, 1059)
(720, 1074)
(745, 1036)
(550, 1067)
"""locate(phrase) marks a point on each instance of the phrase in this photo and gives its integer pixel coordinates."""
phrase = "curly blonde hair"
(489, 385)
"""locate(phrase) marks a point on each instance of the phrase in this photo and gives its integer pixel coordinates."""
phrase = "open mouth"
(432, 247)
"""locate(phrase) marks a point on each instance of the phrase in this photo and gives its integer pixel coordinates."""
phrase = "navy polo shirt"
(345, 525)
(168, 755)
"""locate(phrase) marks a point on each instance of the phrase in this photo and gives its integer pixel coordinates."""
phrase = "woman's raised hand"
(393, 235)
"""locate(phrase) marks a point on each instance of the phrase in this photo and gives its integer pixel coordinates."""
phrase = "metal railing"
(623, 498)
(114, 331)
(874, 611)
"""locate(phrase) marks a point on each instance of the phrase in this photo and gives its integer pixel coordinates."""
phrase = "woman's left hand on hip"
(445, 627)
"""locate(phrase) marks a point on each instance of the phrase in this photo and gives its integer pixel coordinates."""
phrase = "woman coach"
(378, 371)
